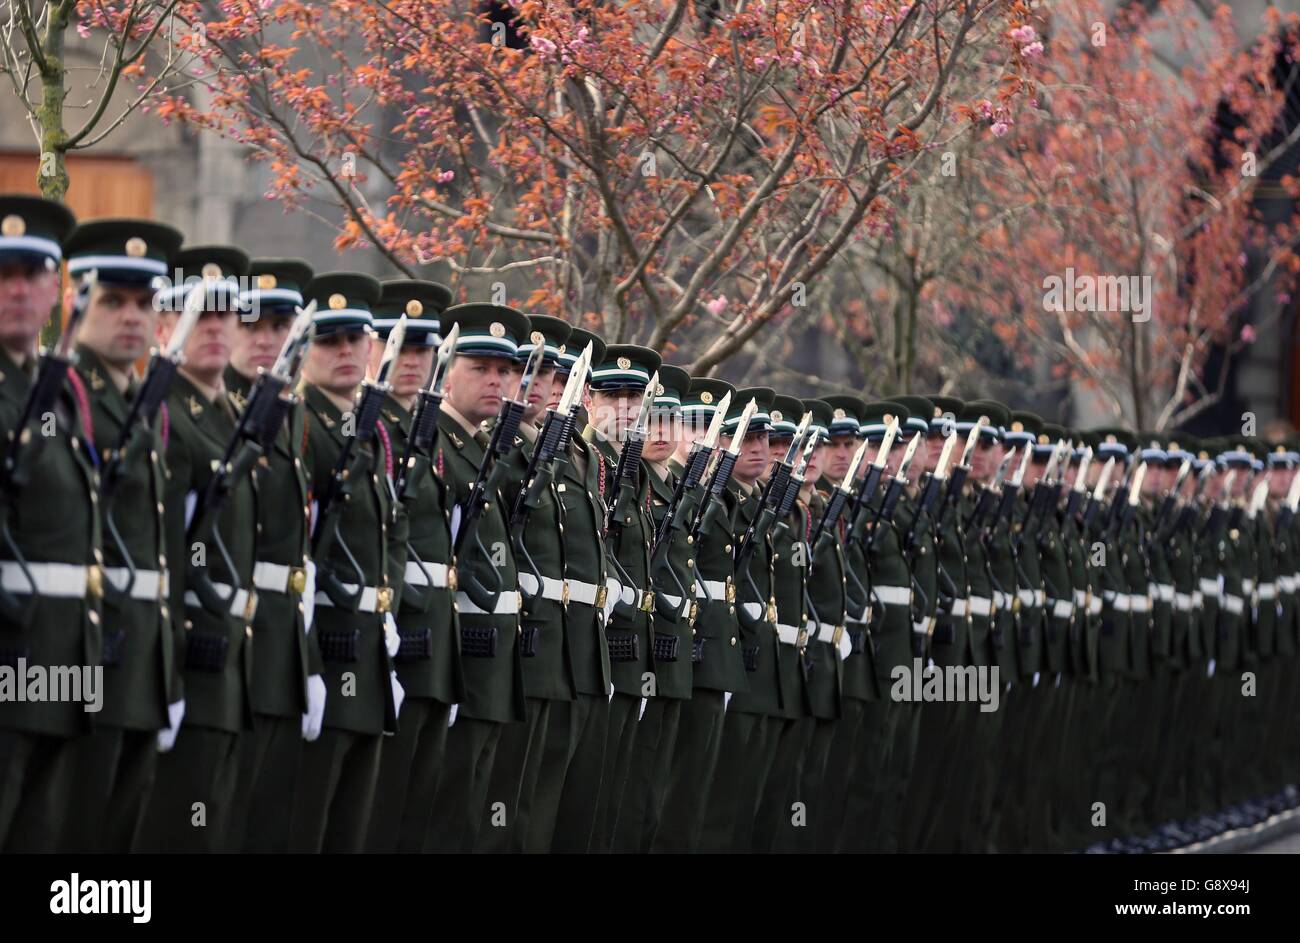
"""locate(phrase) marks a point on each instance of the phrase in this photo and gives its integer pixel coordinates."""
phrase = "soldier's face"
(120, 323)
(27, 295)
(540, 393)
(558, 382)
(839, 453)
(985, 460)
(337, 362)
(753, 458)
(613, 411)
(661, 442)
(776, 448)
(257, 343)
(476, 386)
(816, 462)
(207, 349)
(411, 372)
(1279, 482)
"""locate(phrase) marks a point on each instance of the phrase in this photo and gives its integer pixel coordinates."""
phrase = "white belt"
(788, 634)
(1120, 602)
(1184, 602)
(238, 605)
(64, 580)
(1002, 600)
(1267, 590)
(827, 634)
(1287, 583)
(1030, 597)
(1162, 591)
(1140, 602)
(1247, 586)
(507, 605)
(959, 608)
(1210, 587)
(583, 592)
(717, 590)
(369, 597)
(415, 575)
(149, 584)
(1198, 599)
(1062, 608)
(552, 588)
(893, 595)
(273, 577)
(677, 602)
(1233, 604)
(861, 617)
(981, 606)
(1080, 598)
(1094, 606)
(753, 609)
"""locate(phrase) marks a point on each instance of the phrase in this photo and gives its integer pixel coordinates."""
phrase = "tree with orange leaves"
(672, 173)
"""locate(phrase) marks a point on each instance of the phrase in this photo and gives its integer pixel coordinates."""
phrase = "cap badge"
(1017, 426)
(13, 226)
(1043, 439)
(136, 247)
(414, 308)
(564, 348)
(211, 271)
(659, 390)
(337, 302)
(776, 415)
(706, 397)
(840, 414)
(624, 363)
(497, 329)
(537, 337)
(266, 281)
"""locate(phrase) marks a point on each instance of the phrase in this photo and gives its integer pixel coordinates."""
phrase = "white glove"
(846, 645)
(399, 694)
(1035, 679)
(451, 715)
(613, 590)
(311, 721)
(392, 641)
(726, 701)
(642, 713)
(167, 736)
(1209, 669)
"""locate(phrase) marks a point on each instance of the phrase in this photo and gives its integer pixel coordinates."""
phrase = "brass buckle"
(564, 592)
(1015, 603)
(250, 607)
(383, 598)
(297, 579)
(95, 580)
(648, 601)
(695, 611)
(731, 591)
(771, 611)
(802, 641)
(602, 593)
(837, 635)
(451, 577)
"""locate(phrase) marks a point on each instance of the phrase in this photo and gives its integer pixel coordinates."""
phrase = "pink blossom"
(1000, 128)
(759, 62)
(447, 176)
(83, 30)
(717, 305)
(1284, 297)
(1247, 334)
(542, 45)
(1032, 51)
(1024, 34)
(986, 109)
(1241, 259)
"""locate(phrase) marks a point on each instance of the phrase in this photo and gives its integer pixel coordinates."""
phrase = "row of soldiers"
(366, 571)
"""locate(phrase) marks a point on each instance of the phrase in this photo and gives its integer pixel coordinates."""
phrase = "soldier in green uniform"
(584, 722)
(719, 669)
(212, 599)
(117, 762)
(479, 380)
(673, 578)
(617, 386)
(49, 605)
(428, 655)
(287, 680)
(789, 575)
(1279, 696)
(358, 571)
(749, 738)
(538, 533)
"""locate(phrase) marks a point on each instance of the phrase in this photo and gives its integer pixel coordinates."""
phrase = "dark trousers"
(193, 794)
(36, 777)
(462, 790)
(114, 772)
(410, 762)
(335, 791)
(856, 774)
(749, 747)
(774, 811)
(514, 778)
(574, 819)
(620, 737)
(695, 757)
(647, 775)
(800, 830)
(269, 757)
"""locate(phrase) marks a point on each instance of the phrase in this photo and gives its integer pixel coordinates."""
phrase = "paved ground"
(1282, 845)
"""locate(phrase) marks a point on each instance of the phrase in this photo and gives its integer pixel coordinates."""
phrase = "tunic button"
(248, 631)
(733, 640)
(94, 617)
(160, 507)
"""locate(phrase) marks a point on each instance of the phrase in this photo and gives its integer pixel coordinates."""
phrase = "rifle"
(1134, 496)
(14, 471)
(838, 501)
(1094, 502)
(792, 489)
(348, 468)
(1170, 498)
(683, 506)
(1287, 511)
(957, 477)
(1080, 490)
(930, 489)
(988, 494)
(885, 513)
(870, 484)
(1044, 497)
(1011, 489)
(713, 505)
(424, 422)
(624, 489)
(773, 491)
